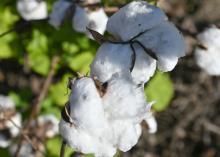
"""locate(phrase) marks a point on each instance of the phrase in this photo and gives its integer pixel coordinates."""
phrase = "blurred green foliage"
(160, 89)
(40, 43)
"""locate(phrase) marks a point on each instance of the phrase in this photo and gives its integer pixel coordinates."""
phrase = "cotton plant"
(207, 54)
(10, 120)
(32, 9)
(82, 17)
(105, 110)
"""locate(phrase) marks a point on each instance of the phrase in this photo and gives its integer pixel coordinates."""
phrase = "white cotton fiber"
(134, 18)
(59, 12)
(124, 99)
(209, 59)
(32, 9)
(112, 58)
(166, 42)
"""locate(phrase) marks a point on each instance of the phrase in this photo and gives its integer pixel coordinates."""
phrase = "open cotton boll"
(80, 19)
(52, 124)
(166, 42)
(26, 150)
(86, 108)
(133, 19)
(32, 9)
(124, 99)
(6, 102)
(7, 129)
(95, 20)
(209, 59)
(82, 141)
(112, 58)
(59, 12)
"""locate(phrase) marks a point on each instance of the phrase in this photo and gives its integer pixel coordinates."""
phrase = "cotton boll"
(133, 19)
(124, 99)
(209, 59)
(26, 150)
(166, 42)
(52, 124)
(82, 141)
(126, 134)
(97, 20)
(86, 108)
(80, 19)
(112, 58)
(6, 103)
(59, 12)
(32, 9)
(8, 117)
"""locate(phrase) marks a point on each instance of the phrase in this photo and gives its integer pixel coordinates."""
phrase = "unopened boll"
(88, 134)
(59, 12)
(32, 9)
(112, 58)
(208, 58)
(160, 36)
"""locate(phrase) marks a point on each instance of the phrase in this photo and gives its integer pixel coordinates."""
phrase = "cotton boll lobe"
(95, 20)
(82, 141)
(167, 44)
(112, 58)
(124, 100)
(126, 134)
(59, 12)
(32, 9)
(144, 66)
(86, 108)
(133, 19)
(209, 59)
(80, 19)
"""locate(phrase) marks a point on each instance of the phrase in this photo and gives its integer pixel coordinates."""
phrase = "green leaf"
(53, 148)
(81, 62)
(38, 53)
(21, 98)
(4, 152)
(5, 50)
(59, 91)
(70, 48)
(40, 63)
(160, 89)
